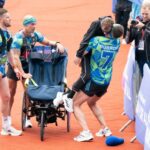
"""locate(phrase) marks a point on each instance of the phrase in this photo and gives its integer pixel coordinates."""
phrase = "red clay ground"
(66, 21)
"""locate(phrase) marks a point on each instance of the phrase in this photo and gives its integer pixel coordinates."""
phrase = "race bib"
(141, 45)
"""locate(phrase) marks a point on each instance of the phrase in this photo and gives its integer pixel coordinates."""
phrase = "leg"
(92, 103)
(126, 15)
(7, 129)
(78, 100)
(12, 80)
(85, 135)
(5, 96)
(85, 75)
(12, 88)
(118, 16)
(105, 131)
(28, 123)
(79, 84)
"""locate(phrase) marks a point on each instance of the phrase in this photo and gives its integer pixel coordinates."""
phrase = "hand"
(60, 47)
(26, 75)
(18, 73)
(77, 61)
(140, 25)
(129, 23)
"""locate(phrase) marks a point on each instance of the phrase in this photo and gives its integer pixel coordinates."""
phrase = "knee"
(75, 104)
(6, 98)
(12, 91)
(91, 103)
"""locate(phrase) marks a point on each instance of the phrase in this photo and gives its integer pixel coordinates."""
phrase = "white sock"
(9, 120)
(27, 118)
(5, 122)
(106, 128)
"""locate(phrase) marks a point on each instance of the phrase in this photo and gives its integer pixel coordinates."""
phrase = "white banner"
(128, 84)
(147, 137)
(143, 107)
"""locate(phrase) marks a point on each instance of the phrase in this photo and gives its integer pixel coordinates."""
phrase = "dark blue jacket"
(123, 5)
(2, 2)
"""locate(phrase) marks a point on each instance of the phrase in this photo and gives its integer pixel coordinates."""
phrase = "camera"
(134, 22)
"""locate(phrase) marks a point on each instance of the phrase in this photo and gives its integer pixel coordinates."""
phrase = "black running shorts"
(91, 89)
(12, 75)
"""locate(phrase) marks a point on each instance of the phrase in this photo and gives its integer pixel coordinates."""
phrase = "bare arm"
(53, 43)
(13, 63)
(14, 57)
(17, 59)
(77, 60)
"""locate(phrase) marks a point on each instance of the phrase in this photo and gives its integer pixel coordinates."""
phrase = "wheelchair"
(48, 69)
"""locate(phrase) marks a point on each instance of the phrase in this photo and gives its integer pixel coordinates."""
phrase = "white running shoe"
(68, 103)
(11, 131)
(104, 132)
(28, 123)
(84, 136)
(58, 100)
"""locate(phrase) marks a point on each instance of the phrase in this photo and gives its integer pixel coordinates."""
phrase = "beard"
(33, 30)
(7, 24)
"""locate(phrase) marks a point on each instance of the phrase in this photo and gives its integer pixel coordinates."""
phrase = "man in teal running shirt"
(22, 45)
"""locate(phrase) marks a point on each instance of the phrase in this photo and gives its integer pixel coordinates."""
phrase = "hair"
(28, 19)
(2, 11)
(146, 4)
(117, 30)
(107, 21)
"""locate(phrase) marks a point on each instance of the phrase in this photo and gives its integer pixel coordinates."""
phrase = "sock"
(68, 91)
(9, 120)
(5, 122)
(88, 131)
(71, 94)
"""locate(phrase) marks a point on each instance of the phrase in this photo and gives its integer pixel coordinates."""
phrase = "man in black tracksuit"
(95, 29)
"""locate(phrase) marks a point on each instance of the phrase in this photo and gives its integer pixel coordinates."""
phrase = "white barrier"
(143, 109)
(128, 86)
(147, 138)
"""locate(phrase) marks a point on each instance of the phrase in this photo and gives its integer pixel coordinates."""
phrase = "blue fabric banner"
(114, 2)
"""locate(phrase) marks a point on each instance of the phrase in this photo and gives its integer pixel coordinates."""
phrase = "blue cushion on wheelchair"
(43, 92)
(114, 141)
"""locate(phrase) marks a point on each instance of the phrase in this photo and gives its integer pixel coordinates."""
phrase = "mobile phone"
(134, 22)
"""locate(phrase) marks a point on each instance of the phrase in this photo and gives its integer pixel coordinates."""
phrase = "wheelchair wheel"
(42, 124)
(68, 121)
(24, 111)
